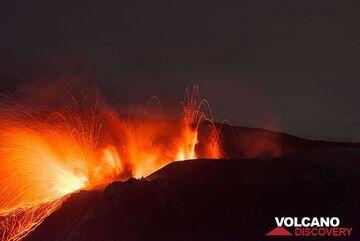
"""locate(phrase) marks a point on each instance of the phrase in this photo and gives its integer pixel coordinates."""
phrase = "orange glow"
(46, 155)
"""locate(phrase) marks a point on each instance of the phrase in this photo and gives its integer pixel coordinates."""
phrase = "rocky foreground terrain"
(225, 199)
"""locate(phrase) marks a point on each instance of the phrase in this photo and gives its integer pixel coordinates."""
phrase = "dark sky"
(292, 65)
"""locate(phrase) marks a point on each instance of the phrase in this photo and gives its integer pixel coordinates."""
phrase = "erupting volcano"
(46, 154)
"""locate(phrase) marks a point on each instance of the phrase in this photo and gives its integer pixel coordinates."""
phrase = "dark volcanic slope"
(215, 200)
(246, 142)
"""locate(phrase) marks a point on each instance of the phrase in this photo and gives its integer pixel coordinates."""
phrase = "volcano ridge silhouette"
(219, 199)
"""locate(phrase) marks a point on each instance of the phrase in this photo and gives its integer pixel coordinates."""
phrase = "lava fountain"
(45, 155)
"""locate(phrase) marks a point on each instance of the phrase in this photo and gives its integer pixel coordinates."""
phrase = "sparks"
(46, 155)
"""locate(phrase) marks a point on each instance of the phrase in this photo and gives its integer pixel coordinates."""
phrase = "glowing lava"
(47, 154)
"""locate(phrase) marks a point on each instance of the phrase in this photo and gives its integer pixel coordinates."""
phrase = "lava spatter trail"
(46, 154)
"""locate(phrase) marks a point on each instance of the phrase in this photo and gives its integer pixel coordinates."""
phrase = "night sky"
(287, 65)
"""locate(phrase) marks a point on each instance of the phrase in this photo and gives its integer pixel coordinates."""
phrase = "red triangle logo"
(279, 231)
